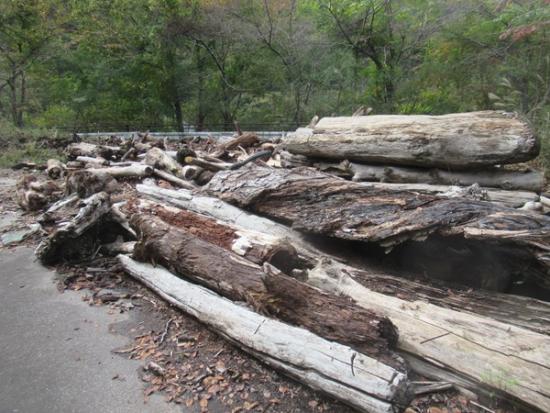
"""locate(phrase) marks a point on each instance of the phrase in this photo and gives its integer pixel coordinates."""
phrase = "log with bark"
(321, 204)
(464, 345)
(32, 194)
(332, 368)
(457, 141)
(258, 239)
(159, 159)
(184, 252)
(529, 180)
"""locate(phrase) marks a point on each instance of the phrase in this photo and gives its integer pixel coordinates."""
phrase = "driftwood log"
(457, 141)
(32, 194)
(332, 368)
(528, 180)
(184, 252)
(480, 339)
(317, 203)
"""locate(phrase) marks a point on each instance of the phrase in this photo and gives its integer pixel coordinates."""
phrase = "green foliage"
(155, 64)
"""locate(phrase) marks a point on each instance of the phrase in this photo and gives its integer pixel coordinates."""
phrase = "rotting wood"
(159, 159)
(220, 269)
(458, 141)
(87, 182)
(317, 203)
(74, 150)
(167, 176)
(480, 351)
(369, 386)
(528, 180)
(94, 209)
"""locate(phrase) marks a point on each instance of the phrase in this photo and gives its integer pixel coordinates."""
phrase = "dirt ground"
(181, 359)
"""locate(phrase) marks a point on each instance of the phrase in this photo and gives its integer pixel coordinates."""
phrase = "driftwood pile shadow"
(352, 288)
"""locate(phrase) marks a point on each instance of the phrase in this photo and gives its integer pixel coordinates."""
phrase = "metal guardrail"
(262, 135)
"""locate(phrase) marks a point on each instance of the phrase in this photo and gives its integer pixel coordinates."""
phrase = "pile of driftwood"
(279, 260)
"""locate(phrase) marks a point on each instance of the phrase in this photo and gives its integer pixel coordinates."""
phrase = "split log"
(55, 168)
(529, 180)
(332, 368)
(458, 141)
(74, 150)
(321, 204)
(67, 236)
(225, 272)
(463, 320)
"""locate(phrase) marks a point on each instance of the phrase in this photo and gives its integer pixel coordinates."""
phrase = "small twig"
(166, 328)
(482, 407)
(352, 360)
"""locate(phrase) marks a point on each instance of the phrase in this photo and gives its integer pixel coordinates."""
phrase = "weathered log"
(167, 176)
(441, 349)
(458, 141)
(260, 237)
(134, 170)
(317, 203)
(55, 168)
(66, 237)
(529, 180)
(184, 252)
(245, 140)
(92, 161)
(466, 349)
(332, 368)
(159, 159)
(87, 182)
(510, 199)
(74, 150)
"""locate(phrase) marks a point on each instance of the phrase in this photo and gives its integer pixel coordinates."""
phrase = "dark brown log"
(245, 140)
(321, 204)
(457, 141)
(241, 280)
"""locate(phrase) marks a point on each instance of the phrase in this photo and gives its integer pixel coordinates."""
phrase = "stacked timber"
(451, 150)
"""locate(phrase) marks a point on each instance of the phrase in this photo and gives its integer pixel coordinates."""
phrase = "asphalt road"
(55, 349)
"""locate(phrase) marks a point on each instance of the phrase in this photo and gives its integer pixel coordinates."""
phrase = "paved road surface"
(55, 350)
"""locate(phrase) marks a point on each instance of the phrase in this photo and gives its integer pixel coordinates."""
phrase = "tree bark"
(332, 368)
(448, 333)
(184, 252)
(457, 141)
(317, 203)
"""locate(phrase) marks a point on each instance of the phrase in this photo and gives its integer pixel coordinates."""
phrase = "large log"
(332, 368)
(470, 351)
(75, 150)
(458, 141)
(463, 320)
(447, 333)
(258, 239)
(529, 180)
(317, 203)
(184, 252)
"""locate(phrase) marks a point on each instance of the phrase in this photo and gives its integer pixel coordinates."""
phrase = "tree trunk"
(448, 333)
(337, 370)
(317, 203)
(529, 180)
(185, 252)
(457, 141)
